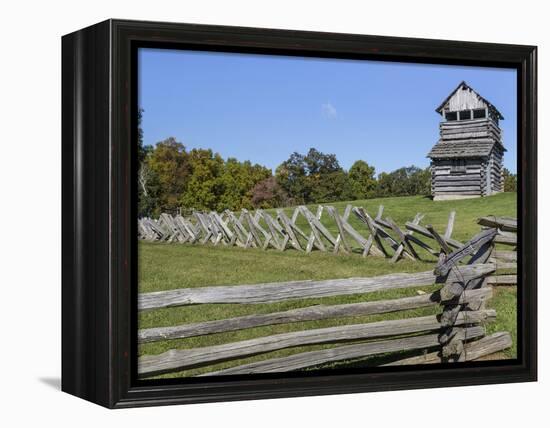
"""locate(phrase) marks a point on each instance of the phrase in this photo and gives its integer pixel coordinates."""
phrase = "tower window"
(458, 166)
(451, 115)
(480, 113)
(465, 114)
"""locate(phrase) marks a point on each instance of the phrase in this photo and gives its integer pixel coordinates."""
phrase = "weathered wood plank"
(274, 229)
(366, 219)
(318, 225)
(187, 358)
(239, 230)
(481, 256)
(441, 185)
(411, 238)
(194, 231)
(180, 224)
(268, 239)
(277, 292)
(204, 227)
(459, 178)
(503, 265)
(455, 287)
(287, 225)
(445, 171)
(507, 238)
(503, 279)
(159, 231)
(488, 345)
(464, 192)
(341, 241)
(403, 238)
(252, 228)
(472, 189)
(312, 313)
(377, 225)
(507, 224)
(354, 234)
(424, 232)
(472, 351)
(313, 358)
(439, 239)
(509, 256)
(469, 247)
(315, 237)
(450, 225)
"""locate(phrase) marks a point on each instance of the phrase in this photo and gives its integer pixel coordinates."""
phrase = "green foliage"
(362, 183)
(330, 187)
(215, 184)
(170, 178)
(510, 181)
(203, 187)
(292, 176)
(170, 163)
(318, 177)
(407, 181)
(314, 177)
(148, 190)
(237, 182)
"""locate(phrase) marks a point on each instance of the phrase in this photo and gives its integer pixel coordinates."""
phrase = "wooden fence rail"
(188, 358)
(277, 292)
(346, 352)
(464, 276)
(377, 236)
(311, 313)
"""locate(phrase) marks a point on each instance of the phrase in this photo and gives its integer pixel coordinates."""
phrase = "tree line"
(172, 177)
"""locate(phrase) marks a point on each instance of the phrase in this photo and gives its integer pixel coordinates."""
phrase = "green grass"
(170, 266)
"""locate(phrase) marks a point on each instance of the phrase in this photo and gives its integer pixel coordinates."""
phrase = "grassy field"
(170, 266)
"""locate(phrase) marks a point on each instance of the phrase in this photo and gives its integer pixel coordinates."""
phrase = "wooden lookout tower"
(466, 162)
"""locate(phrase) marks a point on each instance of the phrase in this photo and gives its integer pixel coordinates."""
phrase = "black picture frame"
(99, 236)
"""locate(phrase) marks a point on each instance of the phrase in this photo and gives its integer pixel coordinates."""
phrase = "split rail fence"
(464, 276)
(379, 236)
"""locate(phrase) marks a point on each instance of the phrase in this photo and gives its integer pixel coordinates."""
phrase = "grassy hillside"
(169, 266)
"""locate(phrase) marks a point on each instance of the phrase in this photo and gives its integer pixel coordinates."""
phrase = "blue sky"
(262, 108)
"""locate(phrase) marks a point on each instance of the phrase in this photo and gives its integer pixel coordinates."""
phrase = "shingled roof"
(462, 149)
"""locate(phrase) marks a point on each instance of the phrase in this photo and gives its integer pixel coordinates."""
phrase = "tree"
(237, 182)
(203, 185)
(148, 190)
(329, 187)
(314, 177)
(170, 163)
(406, 181)
(362, 182)
(269, 194)
(142, 150)
(319, 163)
(291, 175)
(419, 181)
(148, 186)
(510, 181)
(326, 178)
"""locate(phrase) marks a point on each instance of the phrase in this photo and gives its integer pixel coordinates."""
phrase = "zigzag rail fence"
(465, 276)
(379, 236)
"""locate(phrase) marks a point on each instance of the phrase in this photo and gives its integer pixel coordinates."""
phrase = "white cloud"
(328, 110)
